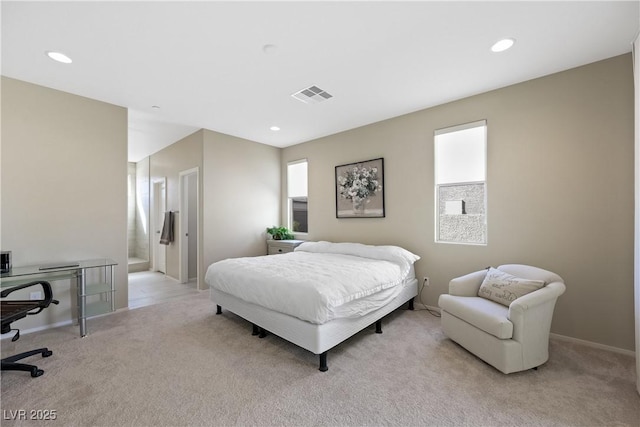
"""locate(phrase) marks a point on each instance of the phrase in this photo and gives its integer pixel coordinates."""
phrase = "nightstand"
(275, 247)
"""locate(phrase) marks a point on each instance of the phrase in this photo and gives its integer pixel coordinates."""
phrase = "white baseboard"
(426, 307)
(39, 328)
(436, 309)
(562, 337)
(593, 344)
(58, 324)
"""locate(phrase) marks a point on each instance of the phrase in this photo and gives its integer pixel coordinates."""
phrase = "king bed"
(318, 295)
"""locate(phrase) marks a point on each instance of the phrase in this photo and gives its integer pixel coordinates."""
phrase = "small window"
(297, 196)
(460, 178)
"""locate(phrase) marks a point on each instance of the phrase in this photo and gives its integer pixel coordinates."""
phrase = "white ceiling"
(205, 66)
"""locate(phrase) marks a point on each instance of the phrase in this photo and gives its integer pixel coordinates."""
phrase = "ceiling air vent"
(312, 95)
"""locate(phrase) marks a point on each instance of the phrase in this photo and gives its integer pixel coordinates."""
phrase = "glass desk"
(94, 278)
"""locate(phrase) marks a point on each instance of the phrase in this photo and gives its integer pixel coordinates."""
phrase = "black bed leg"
(218, 309)
(379, 327)
(411, 304)
(256, 329)
(323, 362)
(263, 333)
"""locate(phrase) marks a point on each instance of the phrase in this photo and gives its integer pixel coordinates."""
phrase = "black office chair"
(12, 310)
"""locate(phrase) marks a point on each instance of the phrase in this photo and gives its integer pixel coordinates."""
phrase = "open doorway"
(153, 285)
(138, 216)
(159, 207)
(188, 236)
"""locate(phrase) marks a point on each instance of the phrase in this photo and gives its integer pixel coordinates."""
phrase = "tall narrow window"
(461, 188)
(297, 196)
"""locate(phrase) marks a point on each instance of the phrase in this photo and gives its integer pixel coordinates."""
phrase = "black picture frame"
(360, 189)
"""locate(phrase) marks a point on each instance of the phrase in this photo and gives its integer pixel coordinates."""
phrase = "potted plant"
(280, 233)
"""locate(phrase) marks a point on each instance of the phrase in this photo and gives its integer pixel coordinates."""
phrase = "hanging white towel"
(167, 229)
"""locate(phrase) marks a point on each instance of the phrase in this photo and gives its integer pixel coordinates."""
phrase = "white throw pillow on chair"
(504, 288)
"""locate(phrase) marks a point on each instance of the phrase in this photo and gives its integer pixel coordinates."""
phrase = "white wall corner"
(636, 72)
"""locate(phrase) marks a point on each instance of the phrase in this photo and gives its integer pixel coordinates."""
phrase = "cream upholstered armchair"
(503, 315)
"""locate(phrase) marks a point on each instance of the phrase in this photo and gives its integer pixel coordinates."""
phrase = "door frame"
(154, 236)
(183, 241)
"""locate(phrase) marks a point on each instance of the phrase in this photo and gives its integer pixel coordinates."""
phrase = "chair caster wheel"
(47, 353)
(36, 372)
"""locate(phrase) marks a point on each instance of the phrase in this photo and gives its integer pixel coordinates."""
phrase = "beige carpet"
(177, 363)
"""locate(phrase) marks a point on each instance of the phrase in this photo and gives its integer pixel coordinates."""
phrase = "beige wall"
(64, 185)
(239, 192)
(131, 209)
(560, 191)
(168, 163)
(636, 75)
(242, 196)
(141, 249)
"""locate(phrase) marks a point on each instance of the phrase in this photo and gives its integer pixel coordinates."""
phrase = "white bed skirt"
(317, 338)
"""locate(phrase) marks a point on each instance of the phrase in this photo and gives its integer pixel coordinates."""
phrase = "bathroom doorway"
(138, 216)
(159, 203)
(188, 217)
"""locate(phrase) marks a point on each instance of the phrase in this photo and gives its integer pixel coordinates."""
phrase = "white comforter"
(316, 280)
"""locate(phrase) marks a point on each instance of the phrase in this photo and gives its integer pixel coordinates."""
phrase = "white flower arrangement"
(358, 184)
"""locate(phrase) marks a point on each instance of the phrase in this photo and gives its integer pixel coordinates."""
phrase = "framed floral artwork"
(360, 189)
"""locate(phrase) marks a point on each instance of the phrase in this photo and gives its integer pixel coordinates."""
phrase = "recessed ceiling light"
(60, 57)
(502, 45)
(274, 128)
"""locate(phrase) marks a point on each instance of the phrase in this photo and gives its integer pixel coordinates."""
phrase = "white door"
(188, 236)
(159, 208)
